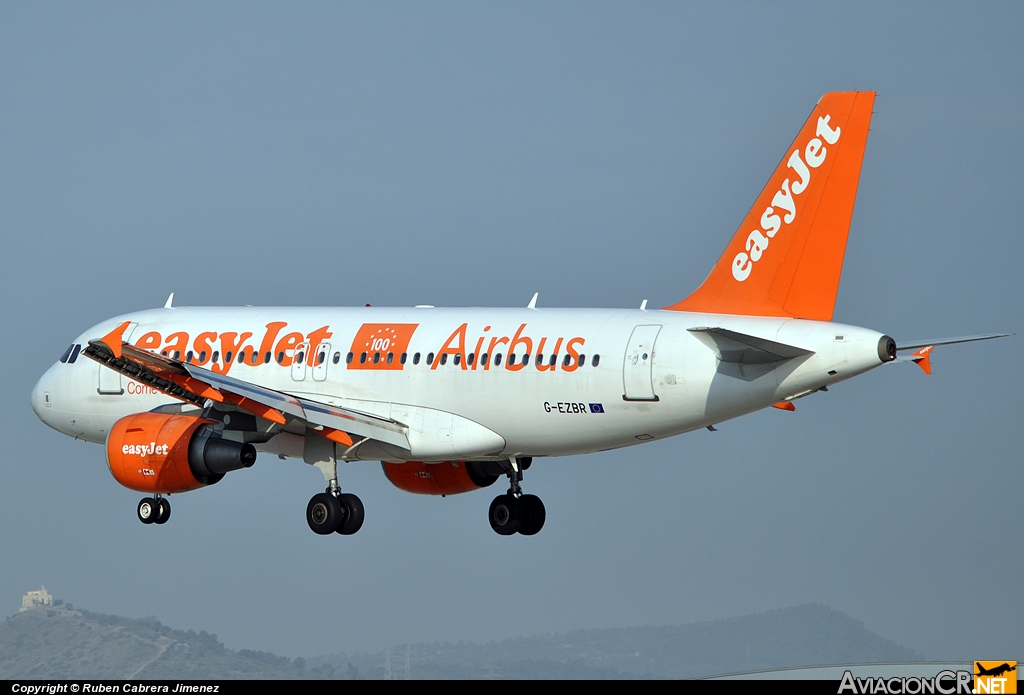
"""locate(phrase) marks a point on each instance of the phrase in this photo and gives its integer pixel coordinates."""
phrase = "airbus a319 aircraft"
(450, 400)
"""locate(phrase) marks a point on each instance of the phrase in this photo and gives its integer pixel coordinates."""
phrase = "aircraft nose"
(42, 395)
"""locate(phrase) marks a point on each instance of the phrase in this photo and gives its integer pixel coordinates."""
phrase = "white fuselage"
(650, 383)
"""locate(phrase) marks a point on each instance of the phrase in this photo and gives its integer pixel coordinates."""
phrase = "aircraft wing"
(196, 385)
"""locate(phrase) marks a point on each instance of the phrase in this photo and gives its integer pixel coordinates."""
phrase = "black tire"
(534, 515)
(163, 511)
(324, 513)
(353, 507)
(505, 515)
(147, 510)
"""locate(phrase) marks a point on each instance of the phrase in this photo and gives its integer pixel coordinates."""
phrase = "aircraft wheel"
(533, 515)
(163, 511)
(353, 514)
(147, 510)
(505, 515)
(324, 513)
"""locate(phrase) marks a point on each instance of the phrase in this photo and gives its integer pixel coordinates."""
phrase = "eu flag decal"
(596, 408)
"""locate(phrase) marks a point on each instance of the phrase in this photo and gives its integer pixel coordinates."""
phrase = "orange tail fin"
(787, 256)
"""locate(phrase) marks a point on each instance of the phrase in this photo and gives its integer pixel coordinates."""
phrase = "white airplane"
(449, 400)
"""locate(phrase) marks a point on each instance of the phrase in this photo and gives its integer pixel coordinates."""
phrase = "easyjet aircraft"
(449, 400)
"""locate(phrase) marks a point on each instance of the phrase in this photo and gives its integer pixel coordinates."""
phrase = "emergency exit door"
(637, 379)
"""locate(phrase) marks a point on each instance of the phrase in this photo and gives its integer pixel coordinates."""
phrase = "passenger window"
(299, 357)
(320, 358)
(227, 357)
(202, 356)
(163, 353)
(430, 359)
(581, 361)
(469, 359)
(457, 358)
(74, 354)
(280, 357)
(390, 358)
(595, 360)
(416, 358)
(216, 356)
(241, 356)
(511, 358)
(444, 358)
(348, 358)
(540, 358)
(362, 358)
(497, 360)
(553, 360)
(337, 358)
(376, 358)
(526, 359)
(188, 357)
(483, 359)
(177, 354)
(266, 357)
(67, 353)
(566, 360)
(401, 360)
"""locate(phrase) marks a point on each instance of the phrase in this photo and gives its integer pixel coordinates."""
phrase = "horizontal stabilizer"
(916, 344)
(740, 348)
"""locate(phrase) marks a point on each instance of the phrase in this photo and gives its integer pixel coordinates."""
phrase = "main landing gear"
(334, 512)
(154, 510)
(515, 512)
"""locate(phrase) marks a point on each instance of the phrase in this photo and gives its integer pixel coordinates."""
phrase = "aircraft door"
(111, 383)
(637, 379)
(299, 360)
(323, 353)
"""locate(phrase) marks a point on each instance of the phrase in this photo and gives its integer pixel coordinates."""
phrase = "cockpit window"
(67, 353)
(74, 354)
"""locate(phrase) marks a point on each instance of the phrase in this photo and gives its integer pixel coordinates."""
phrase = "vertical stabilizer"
(787, 256)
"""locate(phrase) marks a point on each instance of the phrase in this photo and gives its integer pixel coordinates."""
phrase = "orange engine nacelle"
(158, 453)
(445, 478)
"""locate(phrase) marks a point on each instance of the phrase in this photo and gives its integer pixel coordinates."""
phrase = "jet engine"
(445, 478)
(160, 453)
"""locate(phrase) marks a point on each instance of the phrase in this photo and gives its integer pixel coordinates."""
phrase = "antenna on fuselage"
(533, 302)
(170, 300)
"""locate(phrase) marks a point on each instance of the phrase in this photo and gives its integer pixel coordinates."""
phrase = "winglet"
(785, 405)
(114, 339)
(170, 300)
(533, 302)
(923, 358)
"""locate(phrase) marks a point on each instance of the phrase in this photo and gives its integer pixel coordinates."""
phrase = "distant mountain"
(69, 643)
(808, 635)
(62, 642)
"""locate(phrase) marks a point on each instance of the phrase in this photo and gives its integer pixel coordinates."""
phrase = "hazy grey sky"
(472, 154)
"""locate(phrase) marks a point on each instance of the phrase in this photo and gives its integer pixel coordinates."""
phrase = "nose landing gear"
(154, 510)
(515, 512)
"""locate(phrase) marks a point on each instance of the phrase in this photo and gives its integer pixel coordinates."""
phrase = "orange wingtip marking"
(923, 358)
(785, 405)
(197, 387)
(787, 256)
(256, 408)
(337, 436)
(114, 339)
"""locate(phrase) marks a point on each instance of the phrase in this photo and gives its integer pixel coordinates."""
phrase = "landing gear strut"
(515, 512)
(154, 510)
